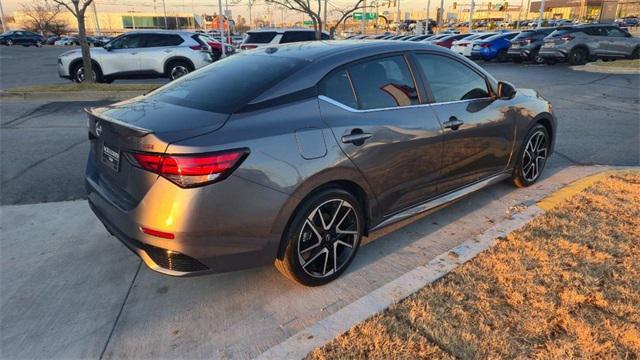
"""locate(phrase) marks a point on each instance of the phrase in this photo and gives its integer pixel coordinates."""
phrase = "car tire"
(38, 43)
(502, 56)
(532, 157)
(216, 55)
(517, 60)
(636, 53)
(9, 42)
(578, 56)
(177, 69)
(322, 221)
(78, 73)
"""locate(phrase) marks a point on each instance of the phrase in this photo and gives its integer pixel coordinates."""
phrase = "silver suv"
(580, 44)
(140, 54)
(265, 37)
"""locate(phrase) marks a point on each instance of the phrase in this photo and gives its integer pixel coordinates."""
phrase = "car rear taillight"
(525, 42)
(485, 45)
(248, 47)
(191, 170)
(567, 37)
(198, 47)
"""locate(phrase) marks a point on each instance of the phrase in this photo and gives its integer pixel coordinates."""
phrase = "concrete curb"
(71, 95)
(592, 67)
(305, 341)
(300, 344)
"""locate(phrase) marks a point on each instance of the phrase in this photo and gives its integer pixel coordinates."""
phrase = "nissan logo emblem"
(98, 129)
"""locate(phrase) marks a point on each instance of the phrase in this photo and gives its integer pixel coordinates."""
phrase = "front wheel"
(79, 75)
(323, 238)
(533, 157)
(9, 43)
(38, 43)
(502, 56)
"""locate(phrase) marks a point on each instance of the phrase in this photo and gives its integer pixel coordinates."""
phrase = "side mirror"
(107, 47)
(506, 90)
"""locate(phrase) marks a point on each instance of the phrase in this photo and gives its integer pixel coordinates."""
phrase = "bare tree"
(42, 14)
(78, 9)
(344, 13)
(309, 7)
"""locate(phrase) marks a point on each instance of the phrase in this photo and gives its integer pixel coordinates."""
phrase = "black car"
(21, 37)
(527, 44)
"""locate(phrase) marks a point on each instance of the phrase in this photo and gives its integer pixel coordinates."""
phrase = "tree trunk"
(319, 30)
(84, 45)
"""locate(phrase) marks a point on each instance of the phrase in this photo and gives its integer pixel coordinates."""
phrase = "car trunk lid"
(139, 125)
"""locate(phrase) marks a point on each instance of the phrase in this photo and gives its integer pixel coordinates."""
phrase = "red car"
(216, 48)
(448, 40)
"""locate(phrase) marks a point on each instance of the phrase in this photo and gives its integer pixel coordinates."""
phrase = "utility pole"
(441, 13)
(250, 19)
(324, 20)
(164, 8)
(364, 10)
(541, 14)
(519, 15)
(426, 25)
(4, 20)
(95, 16)
(471, 9)
(398, 10)
(223, 44)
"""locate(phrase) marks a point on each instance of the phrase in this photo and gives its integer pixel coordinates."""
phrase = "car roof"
(162, 31)
(280, 30)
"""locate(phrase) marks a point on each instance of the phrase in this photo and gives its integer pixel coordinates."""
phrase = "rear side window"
(384, 82)
(594, 31)
(296, 36)
(229, 84)
(563, 31)
(450, 80)
(615, 32)
(157, 40)
(262, 37)
(337, 86)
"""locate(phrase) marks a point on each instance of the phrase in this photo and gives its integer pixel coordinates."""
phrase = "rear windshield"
(262, 37)
(525, 34)
(227, 85)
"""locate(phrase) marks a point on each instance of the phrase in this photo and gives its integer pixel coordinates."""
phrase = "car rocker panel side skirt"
(443, 199)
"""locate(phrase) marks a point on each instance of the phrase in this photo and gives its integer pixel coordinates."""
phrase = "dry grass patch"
(565, 286)
(622, 64)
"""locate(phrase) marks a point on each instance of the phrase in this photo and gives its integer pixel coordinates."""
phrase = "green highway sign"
(307, 22)
(368, 16)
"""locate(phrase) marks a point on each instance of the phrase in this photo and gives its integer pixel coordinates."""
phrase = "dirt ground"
(567, 285)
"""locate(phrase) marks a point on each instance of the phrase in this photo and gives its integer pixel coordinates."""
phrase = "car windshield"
(227, 85)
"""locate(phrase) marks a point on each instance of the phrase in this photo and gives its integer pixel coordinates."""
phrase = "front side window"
(615, 32)
(450, 80)
(337, 86)
(384, 82)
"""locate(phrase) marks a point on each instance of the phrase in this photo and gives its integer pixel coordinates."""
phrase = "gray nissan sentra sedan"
(291, 154)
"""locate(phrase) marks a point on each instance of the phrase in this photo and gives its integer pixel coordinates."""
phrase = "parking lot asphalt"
(597, 113)
(25, 66)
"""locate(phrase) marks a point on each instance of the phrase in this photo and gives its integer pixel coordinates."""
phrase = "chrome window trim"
(349, 108)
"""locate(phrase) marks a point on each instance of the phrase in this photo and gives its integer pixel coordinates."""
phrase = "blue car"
(494, 47)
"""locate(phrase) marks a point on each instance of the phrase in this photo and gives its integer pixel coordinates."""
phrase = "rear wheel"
(578, 56)
(178, 69)
(636, 53)
(323, 238)
(9, 42)
(517, 60)
(502, 56)
(38, 43)
(532, 158)
(216, 55)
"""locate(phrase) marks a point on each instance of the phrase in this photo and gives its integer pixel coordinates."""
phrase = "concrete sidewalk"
(69, 290)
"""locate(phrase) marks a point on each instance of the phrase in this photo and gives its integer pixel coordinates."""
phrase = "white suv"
(265, 37)
(140, 54)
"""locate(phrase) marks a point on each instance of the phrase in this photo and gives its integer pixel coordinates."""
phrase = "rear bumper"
(222, 227)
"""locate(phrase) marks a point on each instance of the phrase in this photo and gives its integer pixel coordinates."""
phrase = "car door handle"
(454, 123)
(133, 53)
(357, 137)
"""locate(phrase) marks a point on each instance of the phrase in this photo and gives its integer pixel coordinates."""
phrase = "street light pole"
(427, 22)
(541, 14)
(441, 15)
(95, 15)
(221, 21)
(164, 8)
(471, 9)
(4, 20)
(364, 9)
